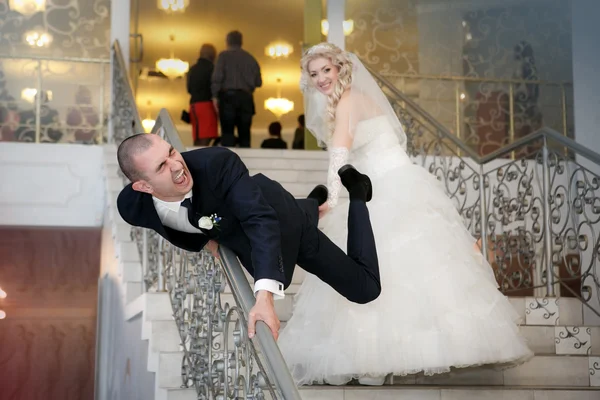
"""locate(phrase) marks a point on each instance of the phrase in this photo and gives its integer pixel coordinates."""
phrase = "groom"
(207, 194)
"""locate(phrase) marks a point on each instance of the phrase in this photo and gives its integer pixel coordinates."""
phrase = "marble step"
(543, 371)
(424, 393)
(178, 394)
(110, 151)
(429, 393)
(153, 307)
(253, 158)
(168, 375)
(279, 154)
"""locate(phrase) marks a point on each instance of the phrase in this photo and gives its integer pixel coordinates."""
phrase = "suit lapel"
(152, 219)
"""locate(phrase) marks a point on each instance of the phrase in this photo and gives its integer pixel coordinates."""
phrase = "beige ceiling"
(208, 21)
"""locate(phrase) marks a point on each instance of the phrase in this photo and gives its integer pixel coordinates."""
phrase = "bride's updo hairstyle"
(338, 58)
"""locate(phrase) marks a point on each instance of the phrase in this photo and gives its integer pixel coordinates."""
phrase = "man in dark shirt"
(236, 76)
(274, 141)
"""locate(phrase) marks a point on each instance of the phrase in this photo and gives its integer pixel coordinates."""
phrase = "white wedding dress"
(439, 305)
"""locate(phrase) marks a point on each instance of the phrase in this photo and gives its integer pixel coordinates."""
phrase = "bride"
(439, 306)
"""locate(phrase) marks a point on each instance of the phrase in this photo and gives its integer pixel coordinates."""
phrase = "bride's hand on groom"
(263, 310)
(323, 208)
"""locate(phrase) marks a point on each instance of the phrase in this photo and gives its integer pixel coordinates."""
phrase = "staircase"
(562, 331)
(567, 353)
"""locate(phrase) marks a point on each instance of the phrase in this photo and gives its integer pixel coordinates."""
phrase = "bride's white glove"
(338, 157)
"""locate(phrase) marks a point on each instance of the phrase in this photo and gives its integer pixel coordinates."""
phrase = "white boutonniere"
(209, 222)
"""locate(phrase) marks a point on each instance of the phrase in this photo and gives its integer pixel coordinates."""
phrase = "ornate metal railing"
(125, 117)
(490, 113)
(40, 102)
(220, 361)
(534, 204)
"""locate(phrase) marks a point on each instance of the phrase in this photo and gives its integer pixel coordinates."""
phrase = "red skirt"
(204, 120)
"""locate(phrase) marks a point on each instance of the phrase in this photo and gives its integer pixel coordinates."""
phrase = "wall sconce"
(348, 26)
(27, 7)
(279, 105)
(172, 67)
(279, 50)
(38, 38)
(173, 6)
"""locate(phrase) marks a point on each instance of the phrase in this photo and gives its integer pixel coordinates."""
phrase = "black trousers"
(354, 275)
(236, 109)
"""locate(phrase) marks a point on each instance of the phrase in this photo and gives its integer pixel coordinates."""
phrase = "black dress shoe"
(358, 185)
(319, 193)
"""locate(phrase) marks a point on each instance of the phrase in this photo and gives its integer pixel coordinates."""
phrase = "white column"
(586, 66)
(336, 12)
(119, 25)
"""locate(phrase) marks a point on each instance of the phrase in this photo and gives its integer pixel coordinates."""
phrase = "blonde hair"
(339, 59)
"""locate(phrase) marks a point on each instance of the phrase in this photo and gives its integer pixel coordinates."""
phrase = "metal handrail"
(547, 133)
(446, 134)
(63, 59)
(275, 365)
(509, 207)
(474, 79)
(118, 58)
(424, 114)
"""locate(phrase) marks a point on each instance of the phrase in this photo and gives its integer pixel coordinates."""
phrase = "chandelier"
(2, 296)
(279, 105)
(148, 124)
(173, 6)
(38, 38)
(27, 7)
(279, 50)
(348, 26)
(172, 67)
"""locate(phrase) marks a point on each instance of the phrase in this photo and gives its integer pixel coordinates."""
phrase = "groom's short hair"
(128, 149)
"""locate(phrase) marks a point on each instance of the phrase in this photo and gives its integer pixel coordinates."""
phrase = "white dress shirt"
(174, 216)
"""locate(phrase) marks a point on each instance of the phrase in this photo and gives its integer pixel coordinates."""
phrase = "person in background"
(274, 141)
(236, 76)
(298, 143)
(83, 120)
(203, 115)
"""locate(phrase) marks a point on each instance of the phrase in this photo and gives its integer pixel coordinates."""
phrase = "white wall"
(51, 185)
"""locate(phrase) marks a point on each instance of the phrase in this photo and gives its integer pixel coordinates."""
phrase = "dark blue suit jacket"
(261, 222)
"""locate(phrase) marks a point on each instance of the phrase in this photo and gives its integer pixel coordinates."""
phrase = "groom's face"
(165, 174)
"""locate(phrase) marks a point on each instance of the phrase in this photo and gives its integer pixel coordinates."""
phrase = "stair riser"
(169, 370)
(445, 394)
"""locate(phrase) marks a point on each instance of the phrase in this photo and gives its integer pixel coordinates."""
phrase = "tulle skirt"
(439, 307)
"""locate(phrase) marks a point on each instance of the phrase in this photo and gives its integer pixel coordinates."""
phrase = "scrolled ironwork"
(487, 73)
(220, 361)
(537, 214)
(125, 116)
